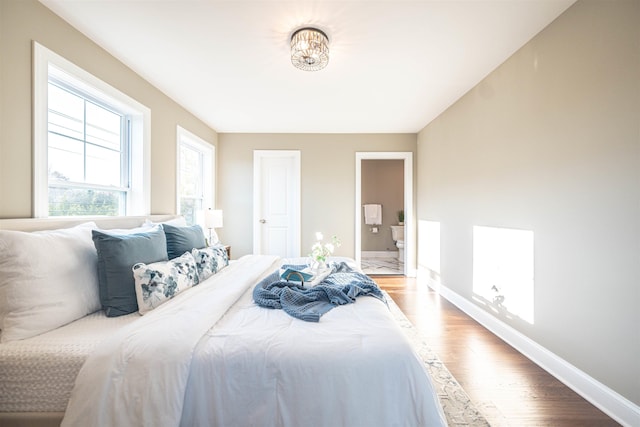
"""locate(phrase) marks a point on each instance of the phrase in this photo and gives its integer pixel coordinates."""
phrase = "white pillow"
(210, 260)
(121, 231)
(176, 222)
(214, 240)
(47, 279)
(158, 282)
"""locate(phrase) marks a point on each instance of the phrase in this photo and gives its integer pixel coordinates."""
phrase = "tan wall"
(327, 182)
(550, 142)
(383, 184)
(22, 21)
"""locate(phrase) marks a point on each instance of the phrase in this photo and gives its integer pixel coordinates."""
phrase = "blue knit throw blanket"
(341, 286)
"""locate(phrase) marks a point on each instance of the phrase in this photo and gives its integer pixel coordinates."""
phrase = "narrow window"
(195, 176)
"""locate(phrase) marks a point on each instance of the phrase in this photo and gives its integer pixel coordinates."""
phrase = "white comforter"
(211, 357)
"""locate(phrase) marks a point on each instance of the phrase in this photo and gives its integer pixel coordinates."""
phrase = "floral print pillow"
(210, 260)
(159, 282)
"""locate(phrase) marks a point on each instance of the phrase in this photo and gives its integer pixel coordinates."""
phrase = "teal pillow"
(117, 253)
(183, 239)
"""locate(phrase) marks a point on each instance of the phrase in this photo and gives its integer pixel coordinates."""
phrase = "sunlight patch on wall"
(429, 248)
(503, 271)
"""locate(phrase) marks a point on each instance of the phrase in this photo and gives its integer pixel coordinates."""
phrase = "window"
(195, 176)
(88, 152)
(91, 152)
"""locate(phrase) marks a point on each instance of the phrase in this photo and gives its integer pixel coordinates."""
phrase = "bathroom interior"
(382, 236)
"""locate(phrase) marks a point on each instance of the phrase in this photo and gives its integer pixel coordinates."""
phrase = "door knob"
(263, 221)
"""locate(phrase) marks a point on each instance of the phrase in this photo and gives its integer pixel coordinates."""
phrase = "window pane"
(66, 113)
(66, 158)
(103, 166)
(74, 201)
(189, 207)
(85, 147)
(103, 127)
(191, 172)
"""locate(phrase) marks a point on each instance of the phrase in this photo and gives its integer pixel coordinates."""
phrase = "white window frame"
(184, 137)
(139, 194)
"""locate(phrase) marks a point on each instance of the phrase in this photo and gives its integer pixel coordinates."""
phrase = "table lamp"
(212, 220)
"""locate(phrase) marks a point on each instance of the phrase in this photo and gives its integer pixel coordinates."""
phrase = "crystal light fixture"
(309, 49)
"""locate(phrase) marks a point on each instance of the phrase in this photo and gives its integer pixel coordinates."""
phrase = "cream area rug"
(458, 408)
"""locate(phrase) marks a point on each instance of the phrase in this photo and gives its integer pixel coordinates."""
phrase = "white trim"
(40, 102)
(183, 136)
(410, 269)
(258, 155)
(607, 400)
(139, 196)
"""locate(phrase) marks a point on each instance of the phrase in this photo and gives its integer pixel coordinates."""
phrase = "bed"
(210, 356)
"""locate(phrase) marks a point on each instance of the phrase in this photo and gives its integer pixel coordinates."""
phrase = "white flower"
(321, 251)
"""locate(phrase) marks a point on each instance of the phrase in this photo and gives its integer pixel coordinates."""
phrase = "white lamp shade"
(213, 218)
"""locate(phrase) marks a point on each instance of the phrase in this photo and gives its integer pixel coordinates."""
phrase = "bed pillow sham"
(140, 229)
(117, 254)
(210, 260)
(158, 282)
(176, 222)
(47, 279)
(183, 239)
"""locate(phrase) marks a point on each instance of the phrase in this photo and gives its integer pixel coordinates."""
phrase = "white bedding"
(212, 357)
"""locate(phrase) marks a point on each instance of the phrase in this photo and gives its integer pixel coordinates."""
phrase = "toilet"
(397, 234)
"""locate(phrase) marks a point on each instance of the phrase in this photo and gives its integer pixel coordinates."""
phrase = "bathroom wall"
(382, 183)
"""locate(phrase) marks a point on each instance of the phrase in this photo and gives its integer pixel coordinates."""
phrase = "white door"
(276, 206)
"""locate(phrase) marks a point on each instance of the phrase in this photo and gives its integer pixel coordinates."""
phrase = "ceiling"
(394, 65)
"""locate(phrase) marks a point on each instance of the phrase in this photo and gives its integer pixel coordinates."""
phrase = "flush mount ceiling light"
(309, 49)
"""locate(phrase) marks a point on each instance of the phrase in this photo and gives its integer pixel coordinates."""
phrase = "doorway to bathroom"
(384, 200)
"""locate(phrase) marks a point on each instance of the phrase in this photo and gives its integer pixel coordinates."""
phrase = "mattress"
(38, 374)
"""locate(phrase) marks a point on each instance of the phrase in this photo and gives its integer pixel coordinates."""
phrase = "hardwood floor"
(507, 388)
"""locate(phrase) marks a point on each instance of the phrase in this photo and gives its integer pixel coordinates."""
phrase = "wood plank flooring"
(507, 388)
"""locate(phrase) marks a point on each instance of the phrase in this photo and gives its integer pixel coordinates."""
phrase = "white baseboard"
(379, 254)
(607, 400)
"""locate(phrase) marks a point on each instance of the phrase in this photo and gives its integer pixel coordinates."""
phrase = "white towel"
(373, 214)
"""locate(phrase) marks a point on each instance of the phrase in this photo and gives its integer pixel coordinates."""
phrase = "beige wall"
(383, 184)
(22, 21)
(327, 182)
(550, 142)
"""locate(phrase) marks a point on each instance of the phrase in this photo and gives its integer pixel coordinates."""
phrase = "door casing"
(410, 266)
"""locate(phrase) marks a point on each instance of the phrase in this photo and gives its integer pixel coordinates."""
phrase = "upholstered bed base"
(31, 419)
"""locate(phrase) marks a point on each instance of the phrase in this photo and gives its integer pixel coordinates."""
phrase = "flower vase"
(317, 266)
